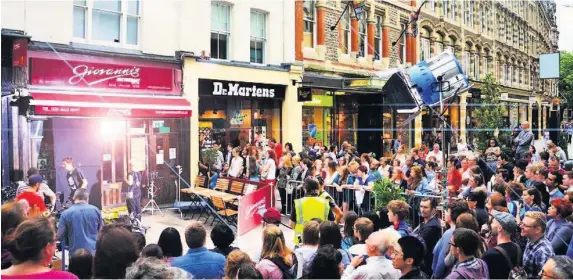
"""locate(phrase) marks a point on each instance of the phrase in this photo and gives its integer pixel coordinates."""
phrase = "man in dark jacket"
(464, 244)
(408, 256)
(430, 230)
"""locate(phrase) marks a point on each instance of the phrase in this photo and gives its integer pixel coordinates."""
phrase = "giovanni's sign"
(123, 75)
(241, 90)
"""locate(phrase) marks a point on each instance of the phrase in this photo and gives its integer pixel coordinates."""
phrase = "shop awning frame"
(78, 104)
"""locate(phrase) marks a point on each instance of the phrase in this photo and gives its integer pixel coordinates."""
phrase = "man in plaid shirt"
(538, 249)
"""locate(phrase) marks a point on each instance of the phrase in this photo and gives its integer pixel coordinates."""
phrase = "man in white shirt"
(377, 265)
(438, 154)
(44, 191)
(219, 163)
(236, 166)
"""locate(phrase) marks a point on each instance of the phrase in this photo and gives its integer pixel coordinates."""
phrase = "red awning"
(107, 105)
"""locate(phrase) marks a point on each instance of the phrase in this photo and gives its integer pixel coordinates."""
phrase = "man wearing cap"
(503, 225)
(35, 201)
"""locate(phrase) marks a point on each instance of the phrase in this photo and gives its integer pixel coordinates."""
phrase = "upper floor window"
(504, 75)
(485, 68)
(309, 22)
(107, 21)
(220, 30)
(425, 47)
(453, 10)
(363, 32)
(466, 63)
(469, 13)
(258, 36)
(483, 19)
(378, 38)
(432, 5)
(445, 6)
(402, 44)
(476, 66)
(439, 43)
(345, 33)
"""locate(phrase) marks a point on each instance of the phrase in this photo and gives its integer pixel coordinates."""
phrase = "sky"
(565, 24)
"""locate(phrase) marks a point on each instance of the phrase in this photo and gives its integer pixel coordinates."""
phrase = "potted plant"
(385, 191)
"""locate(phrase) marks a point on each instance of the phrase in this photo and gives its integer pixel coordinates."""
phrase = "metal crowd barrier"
(415, 218)
(340, 195)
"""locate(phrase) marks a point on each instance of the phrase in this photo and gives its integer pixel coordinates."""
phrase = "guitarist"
(134, 193)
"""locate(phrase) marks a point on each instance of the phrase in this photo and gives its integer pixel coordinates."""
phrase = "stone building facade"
(504, 38)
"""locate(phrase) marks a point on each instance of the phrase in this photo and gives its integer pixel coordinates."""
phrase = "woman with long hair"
(326, 264)
(491, 153)
(535, 158)
(401, 154)
(13, 214)
(32, 245)
(330, 235)
(170, 243)
(349, 218)
(331, 173)
(285, 172)
(276, 257)
(531, 202)
(252, 167)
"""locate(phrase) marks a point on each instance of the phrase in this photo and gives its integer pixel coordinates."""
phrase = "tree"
(489, 116)
(566, 81)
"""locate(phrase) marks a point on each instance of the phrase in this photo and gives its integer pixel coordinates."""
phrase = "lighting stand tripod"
(177, 203)
(152, 205)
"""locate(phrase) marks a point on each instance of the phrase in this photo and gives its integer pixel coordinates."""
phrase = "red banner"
(87, 74)
(110, 112)
(250, 206)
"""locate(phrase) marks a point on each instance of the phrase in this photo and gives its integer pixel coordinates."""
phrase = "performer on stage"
(74, 176)
(134, 194)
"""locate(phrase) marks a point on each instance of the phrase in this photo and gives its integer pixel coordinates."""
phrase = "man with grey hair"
(153, 268)
(377, 266)
(79, 225)
(200, 262)
(523, 140)
(557, 267)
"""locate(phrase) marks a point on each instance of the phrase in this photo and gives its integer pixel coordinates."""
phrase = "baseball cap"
(506, 220)
(35, 179)
(272, 216)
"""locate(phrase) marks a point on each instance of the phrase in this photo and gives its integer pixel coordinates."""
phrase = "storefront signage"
(109, 112)
(241, 89)
(304, 94)
(20, 53)
(238, 119)
(320, 101)
(69, 73)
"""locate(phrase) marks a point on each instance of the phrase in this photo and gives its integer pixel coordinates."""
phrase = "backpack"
(517, 271)
(286, 271)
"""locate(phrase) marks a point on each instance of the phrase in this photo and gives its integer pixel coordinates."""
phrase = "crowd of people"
(491, 214)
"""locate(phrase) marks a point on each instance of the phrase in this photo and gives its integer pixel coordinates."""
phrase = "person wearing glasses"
(538, 249)
(464, 245)
(558, 267)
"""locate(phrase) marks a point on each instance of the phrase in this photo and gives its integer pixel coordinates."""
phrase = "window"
(363, 34)
(504, 74)
(466, 63)
(80, 10)
(345, 40)
(439, 44)
(476, 66)
(445, 8)
(510, 76)
(258, 36)
(453, 10)
(432, 5)
(309, 22)
(220, 30)
(425, 46)
(402, 46)
(471, 14)
(378, 38)
(482, 19)
(111, 21)
(485, 70)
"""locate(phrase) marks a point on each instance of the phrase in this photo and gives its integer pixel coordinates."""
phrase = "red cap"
(272, 216)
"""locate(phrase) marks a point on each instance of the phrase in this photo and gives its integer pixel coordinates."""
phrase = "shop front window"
(317, 119)
(238, 122)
